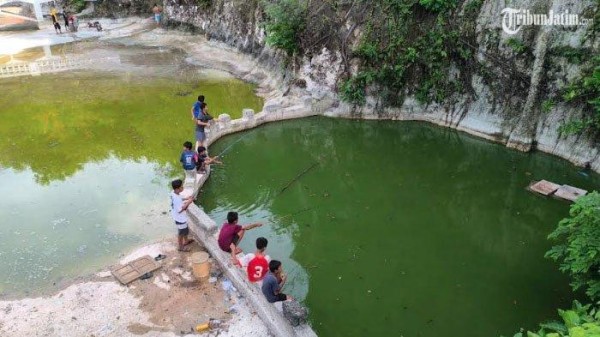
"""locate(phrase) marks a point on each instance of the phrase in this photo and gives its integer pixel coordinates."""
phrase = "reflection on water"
(86, 157)
(70, 227)
(402, 228)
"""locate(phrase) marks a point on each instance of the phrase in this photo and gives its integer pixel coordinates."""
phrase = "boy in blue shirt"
(188, 159)
(197, 107)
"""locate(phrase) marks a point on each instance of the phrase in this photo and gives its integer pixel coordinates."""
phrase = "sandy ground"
(171, 303)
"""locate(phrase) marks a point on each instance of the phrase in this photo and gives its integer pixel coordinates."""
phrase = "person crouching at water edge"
(203, 160)
(231, 234)
(273, 283)
(178, 207)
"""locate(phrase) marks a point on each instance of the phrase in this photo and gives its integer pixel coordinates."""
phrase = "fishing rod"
(231, 145)
(298, 177)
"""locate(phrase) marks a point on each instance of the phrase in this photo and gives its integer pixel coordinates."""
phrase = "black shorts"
(281, 297)
(235, 241)
(183, 232)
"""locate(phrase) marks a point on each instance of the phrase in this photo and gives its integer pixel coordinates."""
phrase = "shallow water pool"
(86, 157)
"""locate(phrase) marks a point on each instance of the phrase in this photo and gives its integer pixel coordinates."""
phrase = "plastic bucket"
(200, 266)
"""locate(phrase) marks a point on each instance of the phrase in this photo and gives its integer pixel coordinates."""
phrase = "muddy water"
(401, 228)
(86, 156)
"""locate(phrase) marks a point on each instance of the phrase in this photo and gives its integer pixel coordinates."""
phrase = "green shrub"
(578, 248)
(547, 105)
(353, 90)
(473, 7)
(516, 45)
(285, 20)
(580, 321)
(438, 5)
(585, 90)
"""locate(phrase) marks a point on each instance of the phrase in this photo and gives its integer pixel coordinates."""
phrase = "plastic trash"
(202, 327)
(227, 286)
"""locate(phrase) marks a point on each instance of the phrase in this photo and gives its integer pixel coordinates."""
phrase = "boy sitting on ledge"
(231, 234)
(257, 264)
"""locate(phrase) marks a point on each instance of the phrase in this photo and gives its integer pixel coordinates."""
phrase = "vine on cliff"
(411, 47)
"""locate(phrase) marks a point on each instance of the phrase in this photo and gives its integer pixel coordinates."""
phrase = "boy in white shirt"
(178, 207)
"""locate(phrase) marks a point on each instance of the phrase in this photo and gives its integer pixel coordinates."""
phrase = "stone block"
(224, 118)
(272, 107)
(248, 114)
(294, 312)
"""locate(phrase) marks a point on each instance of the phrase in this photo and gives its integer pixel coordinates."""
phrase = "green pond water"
(86, 158)
(402, 228)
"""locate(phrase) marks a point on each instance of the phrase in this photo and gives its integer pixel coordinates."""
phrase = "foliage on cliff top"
(578, 245)
(284, 22)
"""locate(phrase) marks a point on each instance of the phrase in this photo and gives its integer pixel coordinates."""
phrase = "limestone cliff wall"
(507, 103)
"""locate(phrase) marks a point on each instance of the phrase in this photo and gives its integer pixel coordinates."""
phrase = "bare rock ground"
(171, 303)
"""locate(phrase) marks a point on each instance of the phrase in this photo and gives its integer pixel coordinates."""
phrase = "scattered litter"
(147, 276)
(161, 284)
(228, 286)
(104, 274)
(187, 276)
(160, 257)
(212, 279)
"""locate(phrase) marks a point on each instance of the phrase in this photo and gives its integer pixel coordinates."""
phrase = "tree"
(578, 248)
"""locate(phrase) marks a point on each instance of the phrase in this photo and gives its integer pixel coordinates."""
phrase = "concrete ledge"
(205, 229)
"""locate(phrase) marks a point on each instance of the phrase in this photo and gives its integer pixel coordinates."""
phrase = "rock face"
(506, 102)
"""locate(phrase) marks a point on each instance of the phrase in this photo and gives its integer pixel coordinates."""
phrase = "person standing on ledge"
(157, 10)
(197, 107)
(202, 122)
(231, 234)
(274, 282)
(66, 19)
(178, 207)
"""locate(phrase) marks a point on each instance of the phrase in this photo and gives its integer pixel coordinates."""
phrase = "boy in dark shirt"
(203, 160)
(231, 234)
(274, 282)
